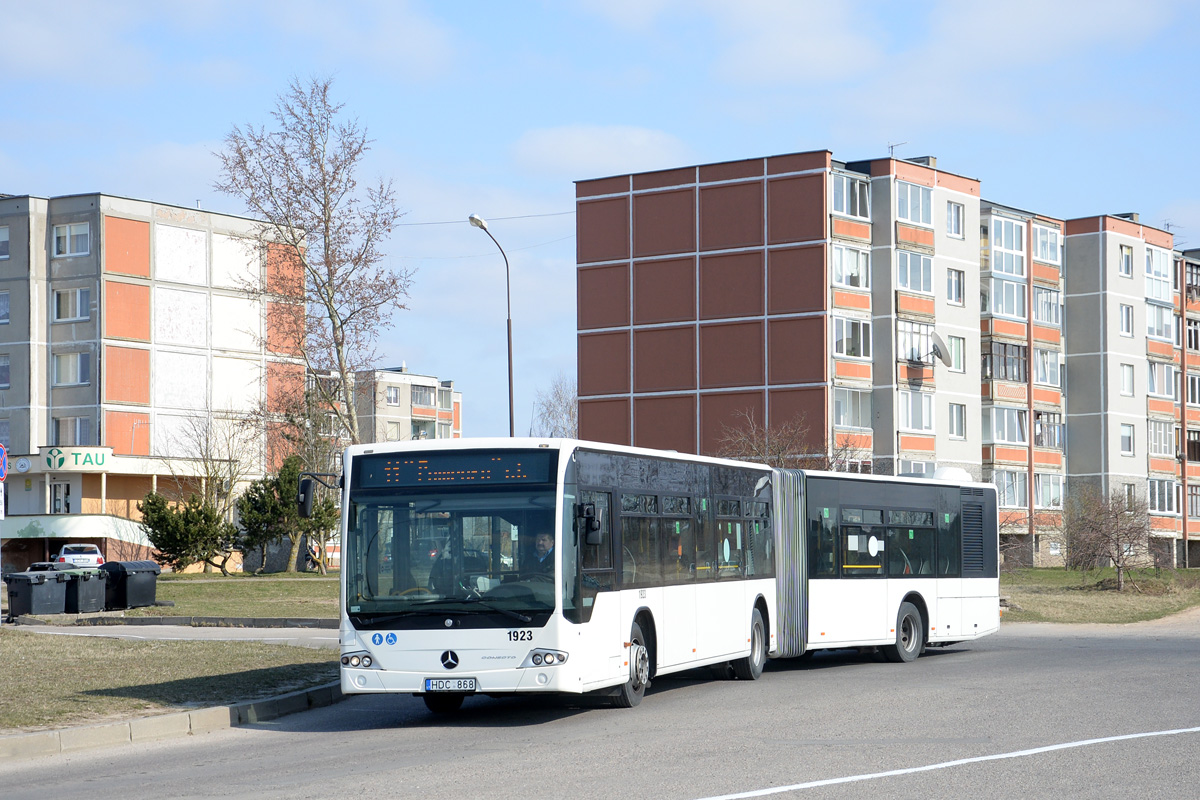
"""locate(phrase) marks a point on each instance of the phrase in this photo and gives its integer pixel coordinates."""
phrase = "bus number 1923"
(520, 636)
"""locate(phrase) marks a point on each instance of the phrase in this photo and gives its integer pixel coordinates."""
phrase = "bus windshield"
(477, 559)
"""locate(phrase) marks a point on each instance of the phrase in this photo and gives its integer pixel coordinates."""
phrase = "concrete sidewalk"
(165, 726)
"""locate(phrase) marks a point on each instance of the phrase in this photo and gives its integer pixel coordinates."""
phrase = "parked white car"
(81, 555)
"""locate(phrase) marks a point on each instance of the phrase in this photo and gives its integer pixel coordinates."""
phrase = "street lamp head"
(478, 221)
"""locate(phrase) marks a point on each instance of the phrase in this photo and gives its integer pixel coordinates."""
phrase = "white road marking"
(947, 764)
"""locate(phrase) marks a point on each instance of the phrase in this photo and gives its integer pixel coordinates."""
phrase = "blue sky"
(495, 108)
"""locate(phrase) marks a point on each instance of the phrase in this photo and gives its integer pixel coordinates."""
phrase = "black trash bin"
(131, 584)
(36, 593)
(85, 589)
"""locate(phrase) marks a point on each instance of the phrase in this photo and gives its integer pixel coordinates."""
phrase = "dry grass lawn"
(1057, 595)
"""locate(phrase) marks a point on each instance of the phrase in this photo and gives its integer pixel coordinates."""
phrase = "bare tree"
(556, 409)
(299, 179)
(790, 444)
(1098, 528)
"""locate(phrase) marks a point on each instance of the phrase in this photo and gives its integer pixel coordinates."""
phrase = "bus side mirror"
(305, 497)
(591, 524)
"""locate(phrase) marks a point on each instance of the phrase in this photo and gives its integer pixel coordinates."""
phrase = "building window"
(851, 267)
(1193, 390)
(393, 399)
(1158, 274)
(1126, 440)
(1048, 429)
(446, 399)
(443, 430)
(914, 203)
(1193, 446)
(1008, 247)
(1162, 496)
(1192, 278)
(957, 346)
(1127, 380)
(1193, 334)
(954, 286)
(1047, 490)
(1126, 320)
(4, 308)
(908, 467)
(4, 375)
(422, 396)
(958, 421)
(851, 408)
(3, 241)
(851, 196)
(5, 434)
(71, 369)
(72, 304)
(1007, 298)
(72, 240)
(1161, 379)
(1046, 245)
(1047, 306)
(1160, 438)
(1160, 322)
(1011, 489)
(914, 272)
(851, 338)
(393, 431)
(1007, 425)
(72, 431)
(916, 411)
(914, 341)
(1046, 367)
(954, 219)
(1193, 500)
(1125, 268)
(1006, 362)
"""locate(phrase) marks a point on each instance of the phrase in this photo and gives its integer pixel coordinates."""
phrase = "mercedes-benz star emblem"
(449, 659)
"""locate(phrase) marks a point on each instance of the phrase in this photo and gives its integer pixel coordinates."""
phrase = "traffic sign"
(3, 462)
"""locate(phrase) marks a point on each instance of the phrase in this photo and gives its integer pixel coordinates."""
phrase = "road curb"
(166, 726)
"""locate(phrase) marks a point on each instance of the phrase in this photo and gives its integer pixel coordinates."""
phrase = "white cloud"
(583, 151)
(629, 14)
(73, 40)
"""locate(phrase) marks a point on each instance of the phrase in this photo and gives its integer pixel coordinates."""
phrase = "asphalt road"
(1014, 715)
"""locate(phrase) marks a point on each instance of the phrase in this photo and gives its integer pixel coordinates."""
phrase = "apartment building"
(1124, 361)
(395, 405)
(803, 286)
(129, 329)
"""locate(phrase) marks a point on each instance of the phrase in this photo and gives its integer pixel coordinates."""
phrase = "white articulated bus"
(501, 566)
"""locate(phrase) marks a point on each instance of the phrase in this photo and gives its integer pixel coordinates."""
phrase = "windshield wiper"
(508, 612)
(379, 619)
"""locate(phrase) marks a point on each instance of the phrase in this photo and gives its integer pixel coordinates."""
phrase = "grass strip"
(1072, 596)
(57, 681)
(209, 596)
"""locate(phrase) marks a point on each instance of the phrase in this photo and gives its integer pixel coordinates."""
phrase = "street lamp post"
(481, 223)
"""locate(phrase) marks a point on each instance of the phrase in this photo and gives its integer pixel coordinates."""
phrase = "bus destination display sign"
(455, 469)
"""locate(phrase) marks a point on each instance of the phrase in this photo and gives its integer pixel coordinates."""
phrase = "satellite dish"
(940, 351)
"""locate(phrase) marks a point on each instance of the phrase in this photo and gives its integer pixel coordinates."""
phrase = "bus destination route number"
(449, 684)
(520, 636)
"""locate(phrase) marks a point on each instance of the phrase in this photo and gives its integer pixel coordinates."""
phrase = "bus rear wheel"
(910, 635)
(446, 703)
(750, 667)
(631, 692)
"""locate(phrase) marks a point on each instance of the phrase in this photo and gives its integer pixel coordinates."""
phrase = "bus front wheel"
(750, 667)
(631, 692)
(910, 635)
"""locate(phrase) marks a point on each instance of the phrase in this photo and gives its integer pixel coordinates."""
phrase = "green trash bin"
(36, 593)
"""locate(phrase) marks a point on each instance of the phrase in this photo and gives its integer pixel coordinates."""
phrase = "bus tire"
(750, 667)
(910, 635)
(630, 693)
(440, 703)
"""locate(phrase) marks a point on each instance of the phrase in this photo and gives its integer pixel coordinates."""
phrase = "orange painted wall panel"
(126, 311)
(924, 444)
(1157, 348)
(912, 173)
(852, 369)
(1163, 407)
(1010, 391)
(285, 385)
(1010, 454)
(921, 374)
(127, 246)
(908, 234)
(913, 304)
(1168, 465)
(126, 375)
(1050, 396)
(958, 183)
(851, 229)
(1044, 334)
(1005, 327)
(856, 441)
(854, 300)
(1164, 523)
(285, 328)
(1046, 272)
(127, 433)
(1047, 458)
(285, 273)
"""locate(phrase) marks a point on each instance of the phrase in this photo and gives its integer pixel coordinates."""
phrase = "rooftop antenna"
(892, 148)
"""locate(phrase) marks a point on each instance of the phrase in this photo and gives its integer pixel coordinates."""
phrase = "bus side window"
(730, 539)
(599, 556)
(760, 558)
(706, 561)
(822, 547)
(679, 561)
